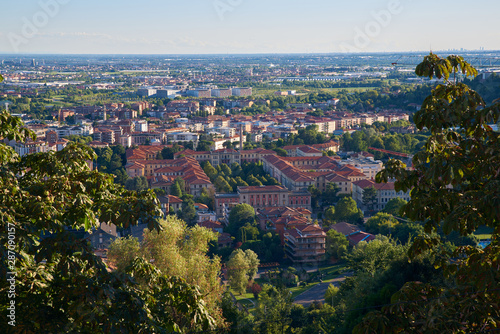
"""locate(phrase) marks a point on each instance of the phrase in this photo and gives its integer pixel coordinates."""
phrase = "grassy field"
(301, 90)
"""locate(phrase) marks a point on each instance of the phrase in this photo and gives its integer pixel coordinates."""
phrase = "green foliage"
(376, 255)
(346, 210)
(240, 322)
(336, 244)
(44, 198)
(329, 196)
(273, 310)
(178, 251)
(175, 190)
(370, 197)
(281, 152)
(239, 216)
(331, 293)
(138, 183)
(267, 246)
(241, 268)
(123, 251)
(222, 186)
(178, 187)
(210, 170)
(79, 139)
(253, 181)
(381, 223)
(394, 206)
(329, 214)
(188, 211)
(207, 198)
(454, 186)
(168, 152)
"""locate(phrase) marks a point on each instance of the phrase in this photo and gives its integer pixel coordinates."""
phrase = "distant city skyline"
(246, 27)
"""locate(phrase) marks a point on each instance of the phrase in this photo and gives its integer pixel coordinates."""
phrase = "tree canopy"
(455, 184)
(45, 199)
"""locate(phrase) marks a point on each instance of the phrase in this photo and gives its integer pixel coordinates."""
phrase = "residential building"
(242, 91)
(305, 243)
(353, 233)
(385, 192)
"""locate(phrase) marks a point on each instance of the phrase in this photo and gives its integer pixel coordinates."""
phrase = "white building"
(141, 126)
(226, 131)
(179, 137)
(367, 166)
(31, 147)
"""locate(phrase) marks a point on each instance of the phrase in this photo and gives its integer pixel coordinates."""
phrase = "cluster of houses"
(286, 207)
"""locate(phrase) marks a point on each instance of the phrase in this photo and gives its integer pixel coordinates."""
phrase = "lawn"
(332, 271)
(329, 272)
(300, 289)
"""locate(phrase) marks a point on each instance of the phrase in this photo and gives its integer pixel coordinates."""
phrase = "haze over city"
(243, 26)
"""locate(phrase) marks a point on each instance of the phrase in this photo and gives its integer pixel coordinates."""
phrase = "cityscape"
(236, 186)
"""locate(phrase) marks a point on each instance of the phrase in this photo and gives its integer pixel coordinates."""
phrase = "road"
(317, 292)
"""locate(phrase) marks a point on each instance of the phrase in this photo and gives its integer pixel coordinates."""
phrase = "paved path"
(317, 292)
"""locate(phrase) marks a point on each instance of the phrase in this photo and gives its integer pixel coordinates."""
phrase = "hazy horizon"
(217, 27)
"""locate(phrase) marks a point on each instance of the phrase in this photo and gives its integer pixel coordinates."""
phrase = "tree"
(188, 211)
(253, 263)
(222, 186)
(168, 152)
(381, 223)
(138, 183)
(455, 186)
(346, 210)
(207, 197)
(376, 254)
(123, 251)
(329, 196)
(394, 206)
(225, 169)
(241, 268)
(177, 251)
(175, 190)
(273, 310)
(210, 170)
(330, 293)
(330, 213)
(370, 197)
(44, 199)
(253, 181)
(204, 145)
(178, 187)
(281, 152)
(336, 244)
(240, 215)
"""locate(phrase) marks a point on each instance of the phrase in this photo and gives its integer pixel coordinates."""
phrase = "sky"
(246, 26)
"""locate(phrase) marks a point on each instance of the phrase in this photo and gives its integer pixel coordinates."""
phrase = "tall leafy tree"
(138, 183)
(179, 251)
(273, 314)
(239, 216)
(346, 210)
(370, 197)
(394, 206)
(241, 268)
(336, 244)
(455, 186)
(44, 199)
